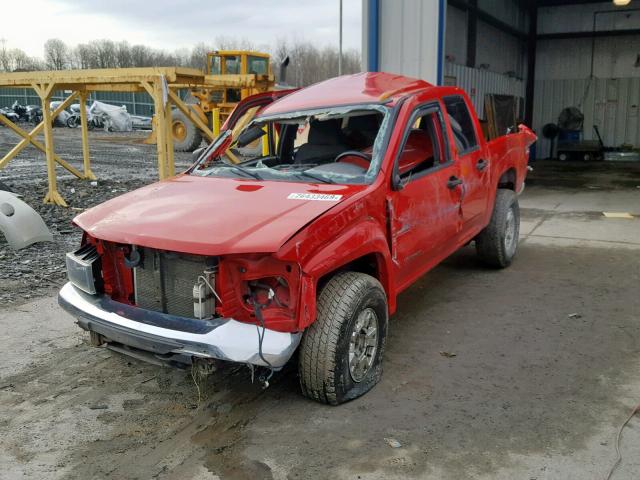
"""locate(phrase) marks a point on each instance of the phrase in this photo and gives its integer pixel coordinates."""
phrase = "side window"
(423, 145)
(461, 124)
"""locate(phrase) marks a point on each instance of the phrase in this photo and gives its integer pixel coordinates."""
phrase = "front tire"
(496, 245)
(341, 352)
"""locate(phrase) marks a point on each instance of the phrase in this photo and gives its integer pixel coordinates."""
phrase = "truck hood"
(212, 216)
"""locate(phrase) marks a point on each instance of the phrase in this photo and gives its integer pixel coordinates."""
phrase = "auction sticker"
(322, 197)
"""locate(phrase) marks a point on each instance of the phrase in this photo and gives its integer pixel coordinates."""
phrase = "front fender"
(363, 238)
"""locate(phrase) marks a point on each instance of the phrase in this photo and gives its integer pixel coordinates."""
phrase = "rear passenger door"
(471, 155)
(424, 199)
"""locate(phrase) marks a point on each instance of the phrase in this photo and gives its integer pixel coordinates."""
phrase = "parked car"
(297, 228)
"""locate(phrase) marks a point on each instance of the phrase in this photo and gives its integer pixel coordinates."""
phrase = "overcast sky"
(174, 24)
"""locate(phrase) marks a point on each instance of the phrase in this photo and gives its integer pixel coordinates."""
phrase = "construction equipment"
(231, 76)
(161, 83)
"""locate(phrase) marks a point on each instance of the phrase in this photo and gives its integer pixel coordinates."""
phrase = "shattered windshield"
(331, 145)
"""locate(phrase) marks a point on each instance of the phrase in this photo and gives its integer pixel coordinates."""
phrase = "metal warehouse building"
(552, 54)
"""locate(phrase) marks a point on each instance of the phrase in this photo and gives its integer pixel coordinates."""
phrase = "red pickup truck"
(297, 228)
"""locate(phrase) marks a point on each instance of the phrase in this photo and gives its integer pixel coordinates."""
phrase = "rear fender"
(511, 155)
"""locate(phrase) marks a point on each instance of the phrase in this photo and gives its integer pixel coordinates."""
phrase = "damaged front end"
(170, 307)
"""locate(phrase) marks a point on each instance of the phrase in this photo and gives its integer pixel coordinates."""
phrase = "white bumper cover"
(162, 334)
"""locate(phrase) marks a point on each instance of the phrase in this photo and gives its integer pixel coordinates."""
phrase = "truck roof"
(359, 88)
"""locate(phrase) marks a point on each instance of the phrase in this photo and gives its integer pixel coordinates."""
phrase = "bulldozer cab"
(237, 62)
(231, 76)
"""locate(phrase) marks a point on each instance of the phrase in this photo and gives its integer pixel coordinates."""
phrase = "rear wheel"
(186, 137)
(341, 352)
(497, 243)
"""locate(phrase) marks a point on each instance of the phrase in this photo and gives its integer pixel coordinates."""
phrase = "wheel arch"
(508, 179)
(362, 248)
(372, 263)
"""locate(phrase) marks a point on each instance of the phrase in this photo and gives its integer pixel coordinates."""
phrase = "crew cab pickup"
(297, 228)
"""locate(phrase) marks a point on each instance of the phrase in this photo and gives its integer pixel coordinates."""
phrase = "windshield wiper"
(314, 177)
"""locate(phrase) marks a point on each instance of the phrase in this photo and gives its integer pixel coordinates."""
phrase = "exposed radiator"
(164, 281)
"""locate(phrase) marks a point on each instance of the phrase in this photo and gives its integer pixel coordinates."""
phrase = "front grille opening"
(167, 282)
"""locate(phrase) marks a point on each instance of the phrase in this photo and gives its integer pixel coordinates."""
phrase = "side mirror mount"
(396, 182)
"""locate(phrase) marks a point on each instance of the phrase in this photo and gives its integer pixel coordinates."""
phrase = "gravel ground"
(120, 161)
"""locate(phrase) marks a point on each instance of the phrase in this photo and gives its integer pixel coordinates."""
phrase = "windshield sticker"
(323, 197)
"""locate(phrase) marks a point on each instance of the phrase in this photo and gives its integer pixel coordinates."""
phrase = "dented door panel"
(425, 220)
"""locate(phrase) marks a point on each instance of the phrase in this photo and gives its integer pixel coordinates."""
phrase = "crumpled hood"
(212, 216)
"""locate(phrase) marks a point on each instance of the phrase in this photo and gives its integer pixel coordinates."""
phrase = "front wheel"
(341, 352)
(496, 245)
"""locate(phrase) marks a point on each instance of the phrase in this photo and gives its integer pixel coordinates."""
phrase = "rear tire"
(186, 137)
(496, 245)
(341, 352)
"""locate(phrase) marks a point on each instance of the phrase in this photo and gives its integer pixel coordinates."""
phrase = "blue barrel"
(569, 136)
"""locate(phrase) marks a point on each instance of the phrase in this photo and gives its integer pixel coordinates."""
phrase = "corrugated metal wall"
(571, 58)
(500, 51)
(579, 18)
(509, 11)
(611, 97)
(477, 83)
(455, 44)
(609, 103)
(409, 38)
(136, 103)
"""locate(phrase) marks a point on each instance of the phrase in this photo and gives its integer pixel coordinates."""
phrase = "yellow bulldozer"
(231, 76)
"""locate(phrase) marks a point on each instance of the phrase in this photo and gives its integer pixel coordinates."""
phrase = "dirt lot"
(544, 372)
(120, 161)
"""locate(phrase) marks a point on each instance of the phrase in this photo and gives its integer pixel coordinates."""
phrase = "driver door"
(425, 204)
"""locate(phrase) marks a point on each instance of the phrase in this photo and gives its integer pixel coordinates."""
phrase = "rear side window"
(461, 123)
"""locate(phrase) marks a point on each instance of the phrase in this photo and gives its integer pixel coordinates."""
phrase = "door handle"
(482, 164)
(453, 182)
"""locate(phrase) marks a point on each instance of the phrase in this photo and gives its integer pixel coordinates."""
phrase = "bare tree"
(229, 43)
(56, 54)
(123, 55)
(22, 62)
(141, 56)
(83, 56)
(105, 53)
(198, 56)
(5, 58)
(308, 62)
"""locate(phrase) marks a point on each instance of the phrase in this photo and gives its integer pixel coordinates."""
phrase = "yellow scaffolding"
(161, 83)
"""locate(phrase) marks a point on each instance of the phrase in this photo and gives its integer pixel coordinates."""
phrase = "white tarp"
(115, 119)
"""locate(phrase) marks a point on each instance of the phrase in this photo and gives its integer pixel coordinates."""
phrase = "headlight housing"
(246, 281)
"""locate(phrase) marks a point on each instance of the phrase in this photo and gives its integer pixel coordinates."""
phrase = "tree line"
(308, 62)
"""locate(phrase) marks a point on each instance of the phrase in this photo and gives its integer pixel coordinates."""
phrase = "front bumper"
(166, 335)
